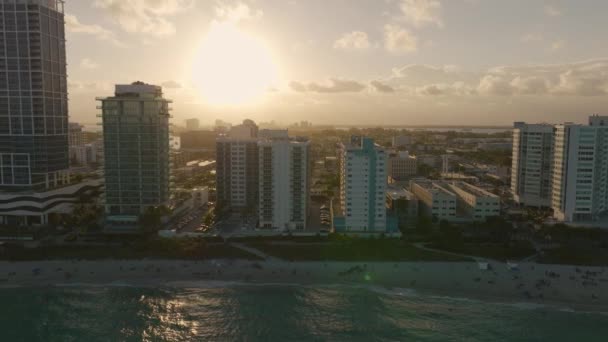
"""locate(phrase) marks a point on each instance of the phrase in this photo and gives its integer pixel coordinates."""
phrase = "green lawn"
(488, 250)
(355, 250)
(187, 249)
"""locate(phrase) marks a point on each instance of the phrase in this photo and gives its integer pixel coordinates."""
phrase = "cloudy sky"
(481, 62)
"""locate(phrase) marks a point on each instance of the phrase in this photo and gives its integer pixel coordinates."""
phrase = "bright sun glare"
(233, 67)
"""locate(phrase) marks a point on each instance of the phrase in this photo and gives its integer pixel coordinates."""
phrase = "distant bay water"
(480, 130)
(239, 312)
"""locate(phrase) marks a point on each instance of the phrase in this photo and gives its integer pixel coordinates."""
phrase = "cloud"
(87, 63)
(171, 85)
(532, 85)
(145, 16)
(552, 11)
(333, 85)
(583, 82)
(381, 87)
(399, 40)
(355, 40)
(421, 13)
(236, 13)
(456, 88)
(89, 87)
(531, 37)
(73, 25)
(495, 85)
(297, 87)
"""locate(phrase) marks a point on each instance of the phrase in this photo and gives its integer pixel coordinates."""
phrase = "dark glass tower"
(33, 95)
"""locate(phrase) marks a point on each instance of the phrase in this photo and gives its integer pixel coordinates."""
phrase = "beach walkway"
(254, 251)
(421, 245)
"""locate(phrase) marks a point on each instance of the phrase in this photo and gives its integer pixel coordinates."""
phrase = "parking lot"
(193, 221)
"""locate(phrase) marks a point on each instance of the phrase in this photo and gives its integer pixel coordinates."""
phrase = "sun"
(232, 67)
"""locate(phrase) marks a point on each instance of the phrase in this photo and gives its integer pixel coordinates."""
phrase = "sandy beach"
(537, 283)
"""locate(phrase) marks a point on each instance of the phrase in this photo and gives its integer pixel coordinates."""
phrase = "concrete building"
(175, 142)
(402, 166)
(532, 164)
(237, 169)
(402, 141)
(199, 140)
(580, 171)
(284, 171)
(33, 208)
(86, 154)
(75, 137)
(136, 151)
(273, 134)
(474, 202)
(402, 205)
(192, 124)
(436, 200)
(330, 163)
(363, 170)
(34, 104)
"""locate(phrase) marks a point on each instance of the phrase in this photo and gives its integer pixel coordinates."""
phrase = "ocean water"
(233, 312)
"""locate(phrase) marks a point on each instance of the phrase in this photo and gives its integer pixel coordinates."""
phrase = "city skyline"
(392, 62)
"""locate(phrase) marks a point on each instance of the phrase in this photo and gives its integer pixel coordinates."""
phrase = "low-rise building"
(436, 200)
(474, 202)
(402, 141)
(402, 166)
(403, 205)
(29, 208)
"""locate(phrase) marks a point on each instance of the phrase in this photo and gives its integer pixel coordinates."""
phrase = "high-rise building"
(580, 171)
(192, 124)
(284, 182)
(33, 96)
(532, 164)
(136, 150)
(75, 134)
(363, 169)
(237, 169)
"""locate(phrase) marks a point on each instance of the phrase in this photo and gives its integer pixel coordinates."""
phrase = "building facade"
(284, 171)
(363, 170)
(192, 124)
(136, 150)
(402, 166)
(436, 200)
(403, 205)
(474, 202)
(580, 172)
(532, 164)
(33, 96)
(237, 169)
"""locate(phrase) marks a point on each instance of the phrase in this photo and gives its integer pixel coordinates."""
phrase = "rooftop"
(397, 192)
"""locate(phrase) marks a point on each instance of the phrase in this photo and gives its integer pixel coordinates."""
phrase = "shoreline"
(559, 286)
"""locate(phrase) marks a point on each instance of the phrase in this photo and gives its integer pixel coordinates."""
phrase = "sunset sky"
(478, 62)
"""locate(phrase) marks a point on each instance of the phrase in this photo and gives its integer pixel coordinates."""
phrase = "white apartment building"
(580, 171)
(532, 164)
(475, 202)
(283, 183)
(436, 200)
(363, 171)
(402, 166)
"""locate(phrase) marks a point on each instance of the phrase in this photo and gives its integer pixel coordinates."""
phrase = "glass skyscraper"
(33, 96)
(136, 150)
